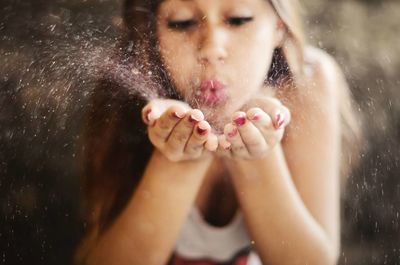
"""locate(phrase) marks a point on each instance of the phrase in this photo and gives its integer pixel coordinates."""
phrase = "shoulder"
(316, 94)
(322, 73)
(318, 58)
(320, 85)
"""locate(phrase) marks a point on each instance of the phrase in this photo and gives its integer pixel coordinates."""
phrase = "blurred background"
(49, 51)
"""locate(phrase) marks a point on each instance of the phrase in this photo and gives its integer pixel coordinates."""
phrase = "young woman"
(239, 162)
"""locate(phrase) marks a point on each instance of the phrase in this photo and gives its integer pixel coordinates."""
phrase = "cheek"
(254, 62)
(264, 43)
(176, 59)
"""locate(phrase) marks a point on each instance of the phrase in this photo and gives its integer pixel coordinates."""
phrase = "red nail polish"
(279, 121)
(278, 118)
(280, 124)
(201, 131)
(255, 117)
(233, 132)
(239, 121)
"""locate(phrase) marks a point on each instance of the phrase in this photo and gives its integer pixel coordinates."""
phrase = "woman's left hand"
(253, 133)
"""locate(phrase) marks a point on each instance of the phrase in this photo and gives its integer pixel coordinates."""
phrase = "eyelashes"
(190, 23)
(181, 24)
(238, 21)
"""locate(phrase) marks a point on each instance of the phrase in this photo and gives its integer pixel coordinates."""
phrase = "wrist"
(159, 157)
(271, 154)
(253, 169)
(203, 158)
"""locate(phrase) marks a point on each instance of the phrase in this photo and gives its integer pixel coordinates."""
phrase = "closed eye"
(181, 24)
(238, 21)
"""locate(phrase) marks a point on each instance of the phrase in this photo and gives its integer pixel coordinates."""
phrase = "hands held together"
(182, 133)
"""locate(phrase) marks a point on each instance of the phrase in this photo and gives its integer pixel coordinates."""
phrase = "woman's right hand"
(178, 131)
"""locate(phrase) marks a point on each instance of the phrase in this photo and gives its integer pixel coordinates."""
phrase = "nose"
(212, 45)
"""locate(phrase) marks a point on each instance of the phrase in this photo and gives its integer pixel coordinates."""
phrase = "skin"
(217, 40)
(283, 172)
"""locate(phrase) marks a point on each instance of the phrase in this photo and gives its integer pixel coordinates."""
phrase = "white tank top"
(199, 240)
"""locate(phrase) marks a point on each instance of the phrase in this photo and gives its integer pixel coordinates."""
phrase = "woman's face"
(217, 53)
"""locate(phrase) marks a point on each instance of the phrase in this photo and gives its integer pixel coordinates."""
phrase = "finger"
(251, 137)
(280, 115)
(155, 108)
(150, 113)
(195, 144)
(160, 130)
(224, 147)
(262, 121)
(180, 135)
(211, 143)
(238, 148)
(259, 118)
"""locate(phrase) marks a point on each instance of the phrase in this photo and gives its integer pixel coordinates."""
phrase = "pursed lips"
(212, 92)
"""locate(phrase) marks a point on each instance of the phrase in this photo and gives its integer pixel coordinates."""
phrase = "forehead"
(167, 6)
(213, 2)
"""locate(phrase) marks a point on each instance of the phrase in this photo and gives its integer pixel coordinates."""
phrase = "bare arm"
(290, 197)
(146, 231)
(280, 223)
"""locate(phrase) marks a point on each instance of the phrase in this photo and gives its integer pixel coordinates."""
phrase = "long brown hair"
(115, 145)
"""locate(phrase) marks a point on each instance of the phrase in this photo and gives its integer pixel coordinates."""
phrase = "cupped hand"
(179, 132)
(252, 134)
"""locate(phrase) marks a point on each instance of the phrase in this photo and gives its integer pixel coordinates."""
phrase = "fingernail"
(233, 132)
(281, 124)
(254, 117)
(147, 116)
(178, 115)
(202, 131)
(193, 119)
(279, 120)
(240, 120)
